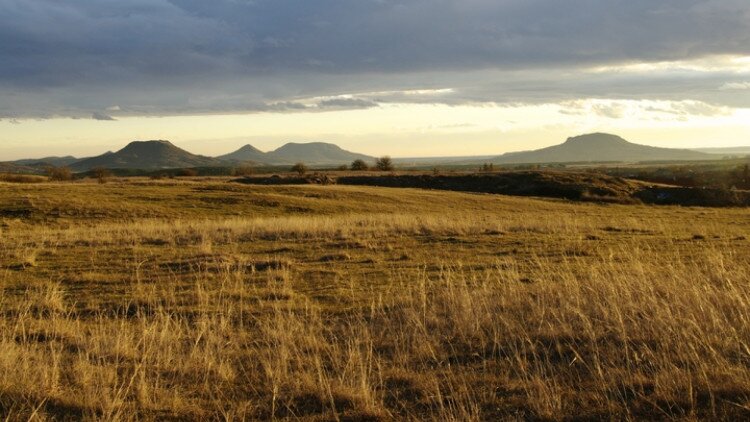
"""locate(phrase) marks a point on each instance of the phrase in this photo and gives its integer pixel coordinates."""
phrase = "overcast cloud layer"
(104, 58)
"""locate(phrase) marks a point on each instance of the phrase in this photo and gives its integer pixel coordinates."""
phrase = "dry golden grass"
(21, 178)
(140, 300)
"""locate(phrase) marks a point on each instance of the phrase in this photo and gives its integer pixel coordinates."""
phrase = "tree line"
(384, 163)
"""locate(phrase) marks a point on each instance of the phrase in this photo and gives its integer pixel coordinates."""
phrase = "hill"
(10, 167)
(147, 155)
(315, 153)
(47, 161)
(600, 147)
(312, 153)
(247, 153)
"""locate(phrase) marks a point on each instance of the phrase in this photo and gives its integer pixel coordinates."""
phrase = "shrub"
(187, 173)
(384, 163)
(59, 174)
(358, 165)
(299, 168)
(101, 174)
(243, 171)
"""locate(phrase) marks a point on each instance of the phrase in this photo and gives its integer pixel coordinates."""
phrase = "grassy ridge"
(209, 300)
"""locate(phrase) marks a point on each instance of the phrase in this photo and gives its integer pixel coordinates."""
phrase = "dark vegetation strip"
(575, 186)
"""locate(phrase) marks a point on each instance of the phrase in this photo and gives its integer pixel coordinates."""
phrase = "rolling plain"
(206, 299)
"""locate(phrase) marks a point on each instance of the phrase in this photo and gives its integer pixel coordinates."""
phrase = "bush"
(359, 165)
(384, 163)
(243, 171)
(101, 174)
(59, 174)
(299, 168)
(187, 173)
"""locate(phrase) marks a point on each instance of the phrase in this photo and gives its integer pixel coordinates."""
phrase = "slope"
(147, 155)
(600, 147)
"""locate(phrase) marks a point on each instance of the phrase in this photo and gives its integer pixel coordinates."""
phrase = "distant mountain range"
(153, 155)
(600, 147)
(313, 153)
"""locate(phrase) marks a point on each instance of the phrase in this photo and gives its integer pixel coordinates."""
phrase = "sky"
(397, 77)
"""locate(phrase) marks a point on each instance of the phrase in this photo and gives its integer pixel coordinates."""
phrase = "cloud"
(192, 56)
(102, 116)
(735, 86)
(285, 106)
(697, 108)
(612, 111)
(346, 103)
(690, 108)
(643, 109)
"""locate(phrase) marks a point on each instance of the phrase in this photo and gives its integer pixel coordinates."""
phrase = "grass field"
(211, 300)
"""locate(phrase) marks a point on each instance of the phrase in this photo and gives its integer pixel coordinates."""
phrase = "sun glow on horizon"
(397, 129)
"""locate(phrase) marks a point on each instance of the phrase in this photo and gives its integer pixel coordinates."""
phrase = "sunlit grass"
(417, 305)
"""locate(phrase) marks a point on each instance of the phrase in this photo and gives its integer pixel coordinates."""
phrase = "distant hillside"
(312, 153)
(15, 168)
(247, 153)
(315, 153)
(47, 161)
(741, 151)
(147, 155)
(600, 147)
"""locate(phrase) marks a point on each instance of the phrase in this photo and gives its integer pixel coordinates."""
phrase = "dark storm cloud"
(159, 56)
